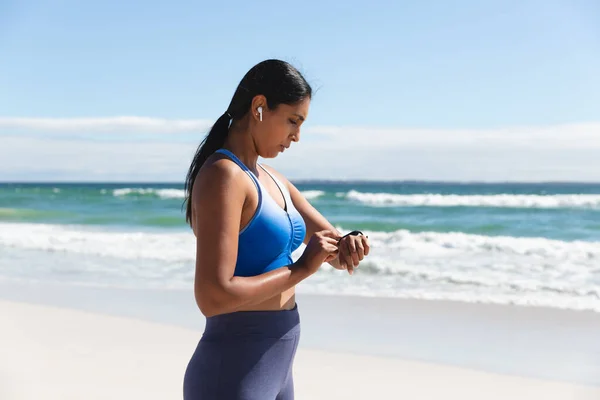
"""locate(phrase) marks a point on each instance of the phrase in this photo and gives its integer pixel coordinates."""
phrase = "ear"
(258, 101)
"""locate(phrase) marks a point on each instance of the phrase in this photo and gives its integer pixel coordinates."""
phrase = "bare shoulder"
(217, 173)
(218, 179)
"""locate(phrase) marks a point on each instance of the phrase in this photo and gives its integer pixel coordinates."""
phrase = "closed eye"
(293, 122)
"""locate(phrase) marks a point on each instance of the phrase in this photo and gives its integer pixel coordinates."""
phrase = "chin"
(271, 154)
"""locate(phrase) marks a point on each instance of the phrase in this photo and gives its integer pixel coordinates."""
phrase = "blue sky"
(426, 69)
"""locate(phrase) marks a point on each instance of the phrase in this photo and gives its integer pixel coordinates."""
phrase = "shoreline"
(10, 292)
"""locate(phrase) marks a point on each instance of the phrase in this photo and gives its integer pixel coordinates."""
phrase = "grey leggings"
(245, 355)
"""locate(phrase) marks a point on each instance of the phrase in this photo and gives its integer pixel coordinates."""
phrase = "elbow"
(207, 305)
(206, 308)
(212, 302)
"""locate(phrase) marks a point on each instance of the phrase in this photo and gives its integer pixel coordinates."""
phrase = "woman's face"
(280, 127)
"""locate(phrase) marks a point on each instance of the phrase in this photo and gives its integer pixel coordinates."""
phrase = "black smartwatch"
(353, 233)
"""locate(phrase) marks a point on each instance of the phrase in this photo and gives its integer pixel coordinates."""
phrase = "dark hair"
(277, 80)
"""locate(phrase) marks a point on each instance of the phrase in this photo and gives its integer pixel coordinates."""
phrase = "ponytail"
(212, 142)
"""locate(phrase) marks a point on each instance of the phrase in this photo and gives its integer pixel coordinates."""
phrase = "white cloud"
(557, 136)
(566, 152)
(30, 158)
(124, 124)
(583, 135)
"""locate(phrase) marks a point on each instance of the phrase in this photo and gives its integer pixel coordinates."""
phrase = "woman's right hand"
(321, 248)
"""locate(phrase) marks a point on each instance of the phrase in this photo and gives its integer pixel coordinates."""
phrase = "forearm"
(242, 291)
(256, 289)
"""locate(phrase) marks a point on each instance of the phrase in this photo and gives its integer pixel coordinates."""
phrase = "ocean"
(524, 244)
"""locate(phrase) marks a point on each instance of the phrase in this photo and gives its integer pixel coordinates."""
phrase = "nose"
(296, 136)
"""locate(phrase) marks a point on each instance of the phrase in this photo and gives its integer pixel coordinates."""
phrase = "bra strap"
(243, 166)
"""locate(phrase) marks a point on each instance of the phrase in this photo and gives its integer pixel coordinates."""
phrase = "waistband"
(274, 324)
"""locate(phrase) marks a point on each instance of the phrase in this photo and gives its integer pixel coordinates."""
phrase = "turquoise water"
(508, 243)
(557, 211)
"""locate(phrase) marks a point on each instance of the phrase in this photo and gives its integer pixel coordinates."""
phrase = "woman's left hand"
(352, 250)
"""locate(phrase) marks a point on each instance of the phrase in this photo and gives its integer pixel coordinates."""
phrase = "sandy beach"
(57, 352)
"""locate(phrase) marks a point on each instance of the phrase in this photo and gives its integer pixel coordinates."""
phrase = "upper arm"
(217, 202)
(313, 219)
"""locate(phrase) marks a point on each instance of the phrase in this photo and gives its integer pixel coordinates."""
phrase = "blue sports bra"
(268, 240)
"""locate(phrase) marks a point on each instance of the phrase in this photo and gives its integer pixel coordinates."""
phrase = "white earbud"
(260, 112)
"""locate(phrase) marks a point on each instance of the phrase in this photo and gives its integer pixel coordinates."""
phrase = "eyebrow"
(300, 116)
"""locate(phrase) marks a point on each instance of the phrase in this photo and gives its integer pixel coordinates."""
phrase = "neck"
(240, 142)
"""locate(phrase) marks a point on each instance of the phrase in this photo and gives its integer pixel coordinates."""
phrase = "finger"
(353, 252)
(341, 262)
(331, 240)
(332, 252)
(341, 259)
(345, 253)
(366, 245)
(348, 257)
(360, 250)
(331, 248)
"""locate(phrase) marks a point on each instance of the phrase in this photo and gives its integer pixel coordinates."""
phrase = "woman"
(248, 219)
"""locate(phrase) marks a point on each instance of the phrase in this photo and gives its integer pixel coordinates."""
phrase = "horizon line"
(309, 181)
